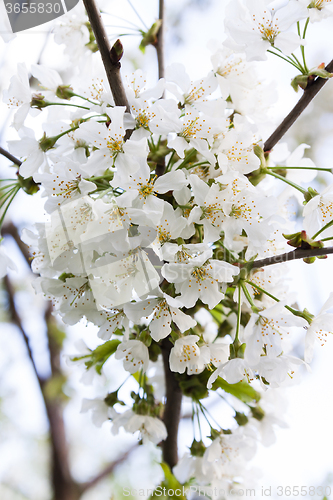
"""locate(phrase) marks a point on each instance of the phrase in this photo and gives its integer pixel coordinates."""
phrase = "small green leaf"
(242, 390)
(101, 354)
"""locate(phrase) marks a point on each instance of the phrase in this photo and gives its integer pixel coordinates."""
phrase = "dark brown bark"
(309, 93)
(296, 254)
(171, 416)
(112, 68)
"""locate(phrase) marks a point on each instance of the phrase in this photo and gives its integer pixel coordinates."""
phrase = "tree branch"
(310, 92)
(285, 257)
(172, 408)
(17, 321)
(160, 41)
(10, 157)
(112, 68)
(64, 486)
(11, 229)
(109, 469)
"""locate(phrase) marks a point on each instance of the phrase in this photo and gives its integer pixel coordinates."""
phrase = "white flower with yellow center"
(256, 26)
(135, 355)
(186, 354)
(200, 278)
(161, 311)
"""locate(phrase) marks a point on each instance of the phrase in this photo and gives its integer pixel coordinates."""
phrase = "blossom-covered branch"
(311, 90)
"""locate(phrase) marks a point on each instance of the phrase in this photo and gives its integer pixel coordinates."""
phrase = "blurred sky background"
(302, 454)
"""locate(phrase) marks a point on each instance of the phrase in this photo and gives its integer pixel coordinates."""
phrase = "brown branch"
(160, 41)
(10, 157)
(109, 469)
(64, 486)
(310, 92)
(171, 416)
(15, 318)
(285, 257)
(11, 230)
(112, 67)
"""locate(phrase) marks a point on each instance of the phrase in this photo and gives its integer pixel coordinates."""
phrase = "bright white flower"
(29, 148)
(267, 330)
(99, 410)
(135, 354)
(200, 278)
(225, 451)
(318, 9)
(18, 95)
(256, 26)
(111, 149)
(319, 329)
(163, 310)
(187, 92)
(49, 78)
(5, 262)
(151, 428)
(186, 354)
(318, 212)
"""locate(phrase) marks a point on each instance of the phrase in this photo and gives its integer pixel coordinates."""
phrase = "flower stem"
(329, 224)
(287, 181)
(291, 309)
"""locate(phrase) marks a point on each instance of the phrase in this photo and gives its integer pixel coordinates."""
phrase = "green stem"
(291, 309)
(290, 61)
(329, 224)
(187, 158)
(299, 64)
(239, 314)
(249, 298)
(301, 168)
(287, 181)
(86, 99)
(14, 193)
(67, 104)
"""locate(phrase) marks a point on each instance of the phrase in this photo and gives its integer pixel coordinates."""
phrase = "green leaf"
(101, 354)
(169, 488)
(242, 390)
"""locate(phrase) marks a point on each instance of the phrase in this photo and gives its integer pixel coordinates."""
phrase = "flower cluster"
(155, 218)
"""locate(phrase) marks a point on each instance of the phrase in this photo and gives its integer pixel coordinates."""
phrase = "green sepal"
(241, 418)
(257, 412)
(299, 81)
(197, 448)
(112, 398)
(65, 92)
(150, 37)
(38, 101)
(47, 143)
(310, 193)
(64, 276)
(28, 185)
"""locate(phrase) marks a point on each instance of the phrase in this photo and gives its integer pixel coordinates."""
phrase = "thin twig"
(286, 257)
(160, 41)
(12, 230)
(310, 92)
(109, 469)
(112, 68)
(15, 318)
(172, 408)
(10, 157)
